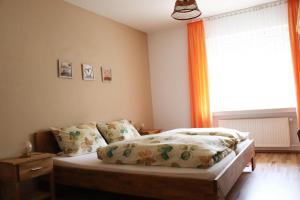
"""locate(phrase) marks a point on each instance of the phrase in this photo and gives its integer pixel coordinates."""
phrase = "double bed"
(149, 181)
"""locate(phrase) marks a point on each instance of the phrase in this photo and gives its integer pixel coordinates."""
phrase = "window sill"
(282, 112)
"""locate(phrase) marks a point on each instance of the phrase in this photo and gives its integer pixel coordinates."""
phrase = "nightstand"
(13, 171)
(150, 131)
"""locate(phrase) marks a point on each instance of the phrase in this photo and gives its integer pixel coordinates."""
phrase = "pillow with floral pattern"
(117, 130)
(78, 140)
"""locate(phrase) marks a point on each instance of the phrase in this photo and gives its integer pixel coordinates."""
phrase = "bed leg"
(220, 194)
(253, 164)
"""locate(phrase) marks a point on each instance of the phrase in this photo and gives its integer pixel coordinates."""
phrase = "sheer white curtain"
(249, 61)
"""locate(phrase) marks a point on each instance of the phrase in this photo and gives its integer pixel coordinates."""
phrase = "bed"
(157, 182)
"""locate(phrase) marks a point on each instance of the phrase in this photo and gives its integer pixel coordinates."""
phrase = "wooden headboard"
(45, 142)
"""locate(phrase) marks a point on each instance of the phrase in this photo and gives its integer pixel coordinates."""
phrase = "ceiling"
(153, 15)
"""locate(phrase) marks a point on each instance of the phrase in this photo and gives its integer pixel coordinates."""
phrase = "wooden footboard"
(232, 172)
(152, 186)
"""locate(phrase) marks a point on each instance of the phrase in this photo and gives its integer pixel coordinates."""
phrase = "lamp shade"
(185, 10)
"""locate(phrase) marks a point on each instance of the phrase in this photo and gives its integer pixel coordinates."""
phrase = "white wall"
(169, 78)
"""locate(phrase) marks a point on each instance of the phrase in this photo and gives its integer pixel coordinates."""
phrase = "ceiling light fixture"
(185, 10)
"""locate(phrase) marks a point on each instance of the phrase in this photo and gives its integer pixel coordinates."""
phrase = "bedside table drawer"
(35, 168)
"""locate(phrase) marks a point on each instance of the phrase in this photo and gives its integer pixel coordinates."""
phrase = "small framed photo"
(65, 69)
(88, 72)
(106, 74)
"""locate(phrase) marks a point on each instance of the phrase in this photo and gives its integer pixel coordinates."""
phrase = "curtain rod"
(245, 10)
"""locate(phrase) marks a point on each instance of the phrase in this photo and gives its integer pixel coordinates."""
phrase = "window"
(249, 61)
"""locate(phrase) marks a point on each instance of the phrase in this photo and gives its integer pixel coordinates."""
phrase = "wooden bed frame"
(152, 186)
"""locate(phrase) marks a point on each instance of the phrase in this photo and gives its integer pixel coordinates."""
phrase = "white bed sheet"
(91, 162)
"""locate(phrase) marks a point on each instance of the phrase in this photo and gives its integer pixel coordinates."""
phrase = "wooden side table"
(150, 131)
(16, 170)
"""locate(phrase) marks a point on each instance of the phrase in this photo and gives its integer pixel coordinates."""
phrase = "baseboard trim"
(277, 150)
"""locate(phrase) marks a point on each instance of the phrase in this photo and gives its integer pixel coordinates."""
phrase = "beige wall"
(33, 35)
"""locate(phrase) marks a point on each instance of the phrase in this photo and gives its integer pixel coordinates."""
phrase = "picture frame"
(106, 73)
(88, 73)
(65, 69)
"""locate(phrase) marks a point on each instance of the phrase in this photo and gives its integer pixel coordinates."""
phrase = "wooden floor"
(277, 177)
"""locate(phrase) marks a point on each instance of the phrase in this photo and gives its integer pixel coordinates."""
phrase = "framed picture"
(106, 74)
(64, 69)
(88, 72)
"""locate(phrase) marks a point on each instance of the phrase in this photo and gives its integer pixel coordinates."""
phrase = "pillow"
(79, 140)
(117, 130)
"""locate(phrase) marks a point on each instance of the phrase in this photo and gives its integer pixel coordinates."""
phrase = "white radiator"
(267, 132)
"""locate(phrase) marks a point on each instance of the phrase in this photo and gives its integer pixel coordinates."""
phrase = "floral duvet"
(189, 148)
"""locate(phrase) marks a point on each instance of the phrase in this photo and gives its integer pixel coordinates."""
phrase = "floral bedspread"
(189, 148)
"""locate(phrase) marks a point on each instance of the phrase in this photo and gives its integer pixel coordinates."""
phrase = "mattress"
(91, 162)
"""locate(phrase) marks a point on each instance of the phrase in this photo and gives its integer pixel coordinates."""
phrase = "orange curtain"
(198, 76)
(293, 6)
